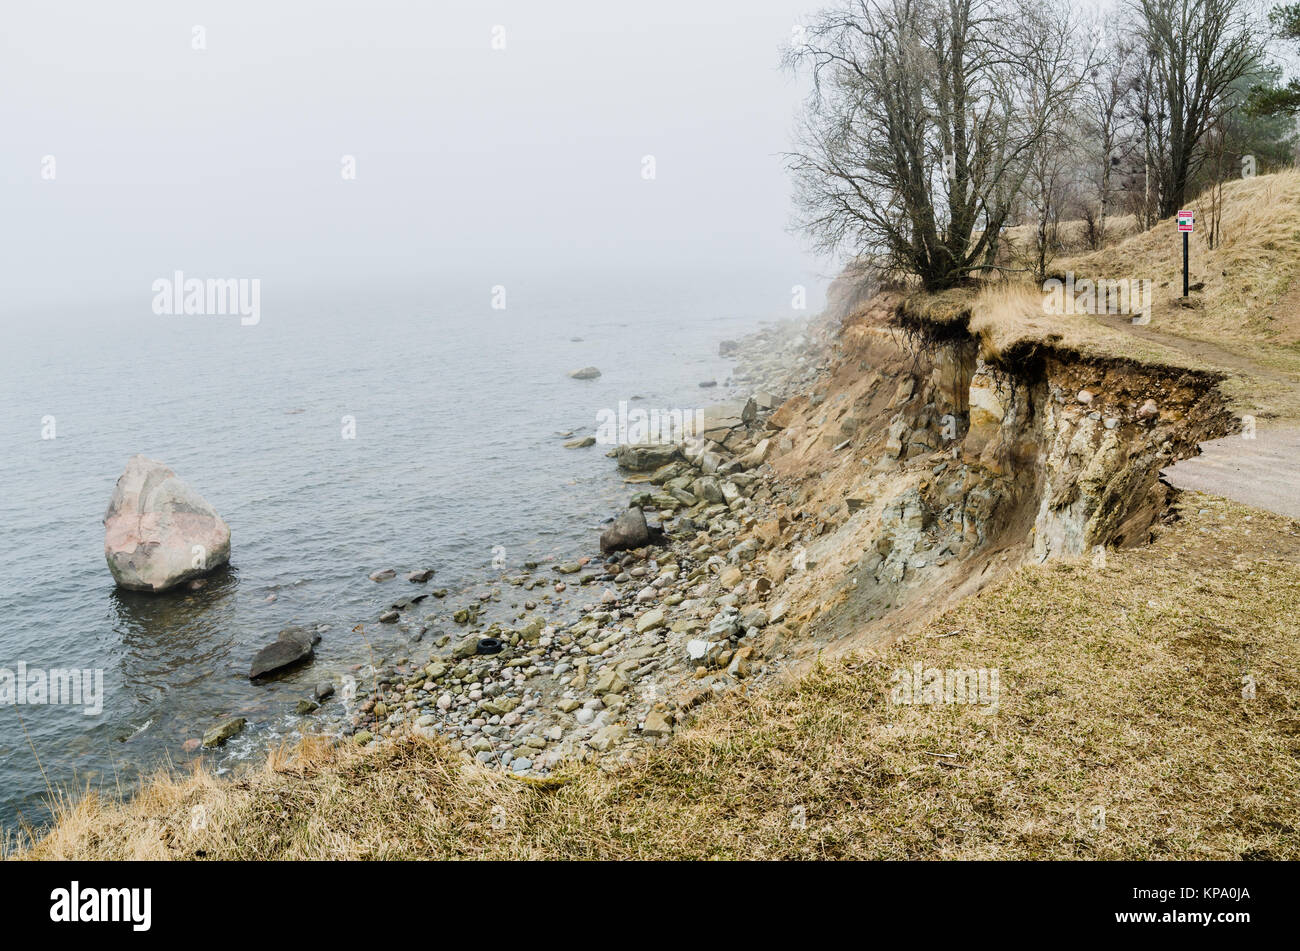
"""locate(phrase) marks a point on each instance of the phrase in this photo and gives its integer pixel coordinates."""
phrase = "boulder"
(218, 735)
(293, 646)
(645, 457)
(628, 531)
(724, 422)
(159, 532)
(586, 373)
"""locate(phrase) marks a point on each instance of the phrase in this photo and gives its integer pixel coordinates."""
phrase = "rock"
(582, 443)
(304, 707)
(645, 457)
(708, 489)
(740, 663)
(586, 373)
(383, 574)
(292, 647)
(656, 724)
(218, 735)
(159, 532)
(324, 690)
(650, 621)
(730, 577)
(1148, 410)
(389, 617)
(758, 455)
(420, 577)
(609, 681)
(725, 624)
(628, 531)
(607, 737)
(723, 420)
(744, 552)
(362, 737)
(1084, 397)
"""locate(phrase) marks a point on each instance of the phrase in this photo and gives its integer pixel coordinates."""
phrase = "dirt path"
(1210, 354)
(1263, 472)
(1261, 467)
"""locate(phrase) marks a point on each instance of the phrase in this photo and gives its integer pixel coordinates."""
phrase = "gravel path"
(1263, 472)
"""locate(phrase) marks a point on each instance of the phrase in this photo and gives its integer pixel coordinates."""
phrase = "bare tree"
(919, 133)
(1105, 126)
(1195, 51)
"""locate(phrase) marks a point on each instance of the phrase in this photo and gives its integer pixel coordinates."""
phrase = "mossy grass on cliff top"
(1147, 708)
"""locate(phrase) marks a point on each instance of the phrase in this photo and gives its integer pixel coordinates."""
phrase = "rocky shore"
(614, 648)
(858, 481)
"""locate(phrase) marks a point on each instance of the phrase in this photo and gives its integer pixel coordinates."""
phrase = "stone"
(324, 690)
(581, 443)
(645, 457)
(758, 455)
(607, 737)
(628, 531)
(303, 707)
(420, 577)
(586, 373)
(159, 532)
(740, 663)
(292, 647)
(656, 724)
(383, 574)
(609, 681)
(1084, 397)
(651, 620)
(223, 731)
(723, 421)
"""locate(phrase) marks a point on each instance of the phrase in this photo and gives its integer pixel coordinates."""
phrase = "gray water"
(457, 411)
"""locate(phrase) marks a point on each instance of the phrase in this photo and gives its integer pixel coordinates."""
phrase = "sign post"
(1186, 220)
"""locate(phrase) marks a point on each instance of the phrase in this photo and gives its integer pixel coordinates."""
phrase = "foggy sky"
(226, 161)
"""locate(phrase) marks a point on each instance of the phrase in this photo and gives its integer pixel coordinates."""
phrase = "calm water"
(457, 408)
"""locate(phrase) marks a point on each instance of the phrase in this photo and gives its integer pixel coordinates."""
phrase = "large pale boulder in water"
(159, 532)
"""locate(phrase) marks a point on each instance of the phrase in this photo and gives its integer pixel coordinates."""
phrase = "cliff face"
(920, 466)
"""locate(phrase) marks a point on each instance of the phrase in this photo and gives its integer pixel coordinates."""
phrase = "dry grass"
(1121, 688)
(1245, 277)
(1243, 324)
(1010, 319)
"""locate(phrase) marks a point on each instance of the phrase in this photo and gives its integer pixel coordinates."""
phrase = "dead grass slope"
(1123, 730)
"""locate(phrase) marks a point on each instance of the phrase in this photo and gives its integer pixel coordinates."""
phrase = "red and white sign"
(1185, 220)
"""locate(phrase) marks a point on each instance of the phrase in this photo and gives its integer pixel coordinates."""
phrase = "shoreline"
(652, 631)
